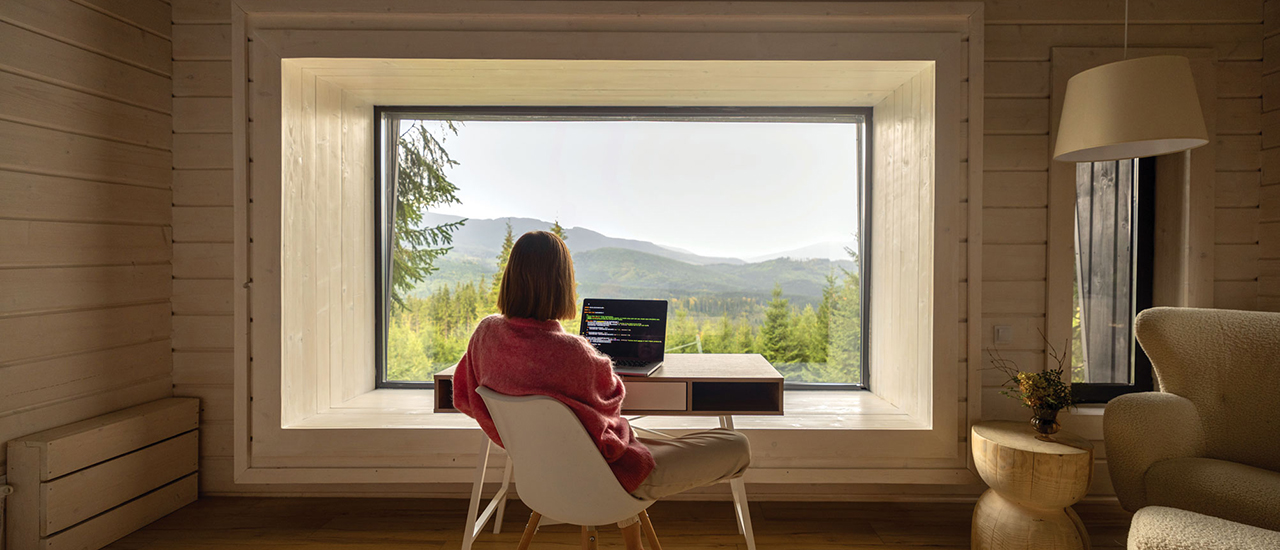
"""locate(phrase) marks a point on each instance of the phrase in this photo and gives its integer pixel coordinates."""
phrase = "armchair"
(1209, 440)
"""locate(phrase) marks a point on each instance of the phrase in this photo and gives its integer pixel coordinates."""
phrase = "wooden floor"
(422, 524)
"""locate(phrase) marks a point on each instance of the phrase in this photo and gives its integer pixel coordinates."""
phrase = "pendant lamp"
(1130, 109)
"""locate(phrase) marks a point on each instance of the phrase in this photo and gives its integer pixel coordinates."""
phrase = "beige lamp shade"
(1129, 109)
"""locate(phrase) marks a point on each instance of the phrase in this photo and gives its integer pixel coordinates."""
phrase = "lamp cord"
(1126, 29)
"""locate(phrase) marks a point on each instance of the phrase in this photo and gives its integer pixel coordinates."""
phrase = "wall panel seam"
(123, 19)
(113, 57)
(61, 400)
(70, 266)
(60, 311)
(81, 89)
(37, 124)
(82, 177)
(82, 352)
(63, 220)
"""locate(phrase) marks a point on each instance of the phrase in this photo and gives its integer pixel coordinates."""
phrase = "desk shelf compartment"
(740, 397)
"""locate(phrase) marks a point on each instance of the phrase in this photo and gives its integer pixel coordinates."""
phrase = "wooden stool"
(1033, 485)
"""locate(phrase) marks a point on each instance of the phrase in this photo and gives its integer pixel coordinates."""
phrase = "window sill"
(1089, 409)
(805, 410)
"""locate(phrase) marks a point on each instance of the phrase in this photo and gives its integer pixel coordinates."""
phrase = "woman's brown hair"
(538, 281)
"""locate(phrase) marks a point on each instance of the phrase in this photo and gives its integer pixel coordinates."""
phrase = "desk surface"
(687, 384)
(716, 367)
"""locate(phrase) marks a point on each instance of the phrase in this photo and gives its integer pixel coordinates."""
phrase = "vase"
(1045, 421)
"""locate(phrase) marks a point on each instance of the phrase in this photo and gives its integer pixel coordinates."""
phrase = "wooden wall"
(85, 117)
(1019, 38)
(202, 251)
(1267, 198)
(902, 244)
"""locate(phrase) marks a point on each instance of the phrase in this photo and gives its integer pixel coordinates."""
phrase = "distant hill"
(622, 273)
(827, 250)
(480, 238)
(609, 267)
(618, 273)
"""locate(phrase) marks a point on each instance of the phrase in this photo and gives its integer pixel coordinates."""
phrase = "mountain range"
(482, 238)
(610, 267)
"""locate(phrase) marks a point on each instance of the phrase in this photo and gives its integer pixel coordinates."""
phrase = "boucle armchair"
(1160, 528)
(1209, 440)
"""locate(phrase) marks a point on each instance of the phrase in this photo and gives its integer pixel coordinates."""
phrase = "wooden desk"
(708, 384)
(721, 385)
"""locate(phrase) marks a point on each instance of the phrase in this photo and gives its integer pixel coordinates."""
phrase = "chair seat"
(1159, 528)
(1218, 488)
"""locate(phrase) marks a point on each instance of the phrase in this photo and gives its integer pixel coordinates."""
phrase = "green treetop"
(776, 338)
(503, 256)
(559, 230)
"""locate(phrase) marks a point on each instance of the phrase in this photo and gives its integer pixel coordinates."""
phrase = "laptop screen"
(625, 329)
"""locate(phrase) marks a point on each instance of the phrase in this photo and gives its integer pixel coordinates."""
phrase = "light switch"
(1003, 334)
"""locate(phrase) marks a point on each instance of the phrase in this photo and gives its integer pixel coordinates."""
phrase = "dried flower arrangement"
(1044, 392)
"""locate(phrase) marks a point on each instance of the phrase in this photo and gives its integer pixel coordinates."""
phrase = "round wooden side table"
(1033, 485)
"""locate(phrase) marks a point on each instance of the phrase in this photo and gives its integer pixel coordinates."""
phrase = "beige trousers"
(691, 461)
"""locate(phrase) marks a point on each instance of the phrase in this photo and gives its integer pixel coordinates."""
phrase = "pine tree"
(813, 348)
(747, 340)
(721, 341)
(844, 352)
(420, 184)
(503, 256)
(776, 336)
(823, 335)
(559, 231)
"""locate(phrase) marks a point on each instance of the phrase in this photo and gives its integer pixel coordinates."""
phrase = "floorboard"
(436, 524)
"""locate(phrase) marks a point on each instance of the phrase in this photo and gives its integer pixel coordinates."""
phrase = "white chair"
(563, 475)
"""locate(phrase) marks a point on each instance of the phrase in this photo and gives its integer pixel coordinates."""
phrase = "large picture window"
(749, 222)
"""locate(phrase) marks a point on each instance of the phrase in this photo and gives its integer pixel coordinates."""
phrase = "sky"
(733, 189)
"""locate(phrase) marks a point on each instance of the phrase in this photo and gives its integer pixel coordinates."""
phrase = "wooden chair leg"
(649, 533)
(589, 536)
(631, 537)
(529, 531)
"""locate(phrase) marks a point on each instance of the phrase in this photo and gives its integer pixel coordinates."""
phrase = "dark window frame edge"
(382, 235)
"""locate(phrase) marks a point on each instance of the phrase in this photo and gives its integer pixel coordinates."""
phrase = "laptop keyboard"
(630, 363)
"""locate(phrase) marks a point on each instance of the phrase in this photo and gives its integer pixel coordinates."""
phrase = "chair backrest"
(559, 471)
(1227, 363)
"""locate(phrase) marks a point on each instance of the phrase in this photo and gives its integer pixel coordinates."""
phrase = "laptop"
(631, 332)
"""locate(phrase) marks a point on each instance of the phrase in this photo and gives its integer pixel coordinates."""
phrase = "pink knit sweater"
(527, 357)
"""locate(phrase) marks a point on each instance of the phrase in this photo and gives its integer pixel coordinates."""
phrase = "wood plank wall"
(1019, 37)
(903, 163)
(202, 213)
(1268, 194)
(85, 209)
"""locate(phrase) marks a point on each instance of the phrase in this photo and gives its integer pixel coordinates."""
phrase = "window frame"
(1144, 267)
(384, 132)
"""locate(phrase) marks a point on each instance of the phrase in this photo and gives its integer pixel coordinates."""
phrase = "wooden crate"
(84, 485)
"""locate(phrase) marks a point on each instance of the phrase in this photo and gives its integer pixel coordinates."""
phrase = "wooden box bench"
(85, 485)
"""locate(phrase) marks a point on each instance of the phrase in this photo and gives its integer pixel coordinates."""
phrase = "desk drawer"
(655, 396)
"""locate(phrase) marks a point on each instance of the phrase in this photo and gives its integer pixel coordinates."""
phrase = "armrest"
(1141, 429)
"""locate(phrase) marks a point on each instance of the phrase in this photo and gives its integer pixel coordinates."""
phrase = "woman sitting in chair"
(525, 351)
